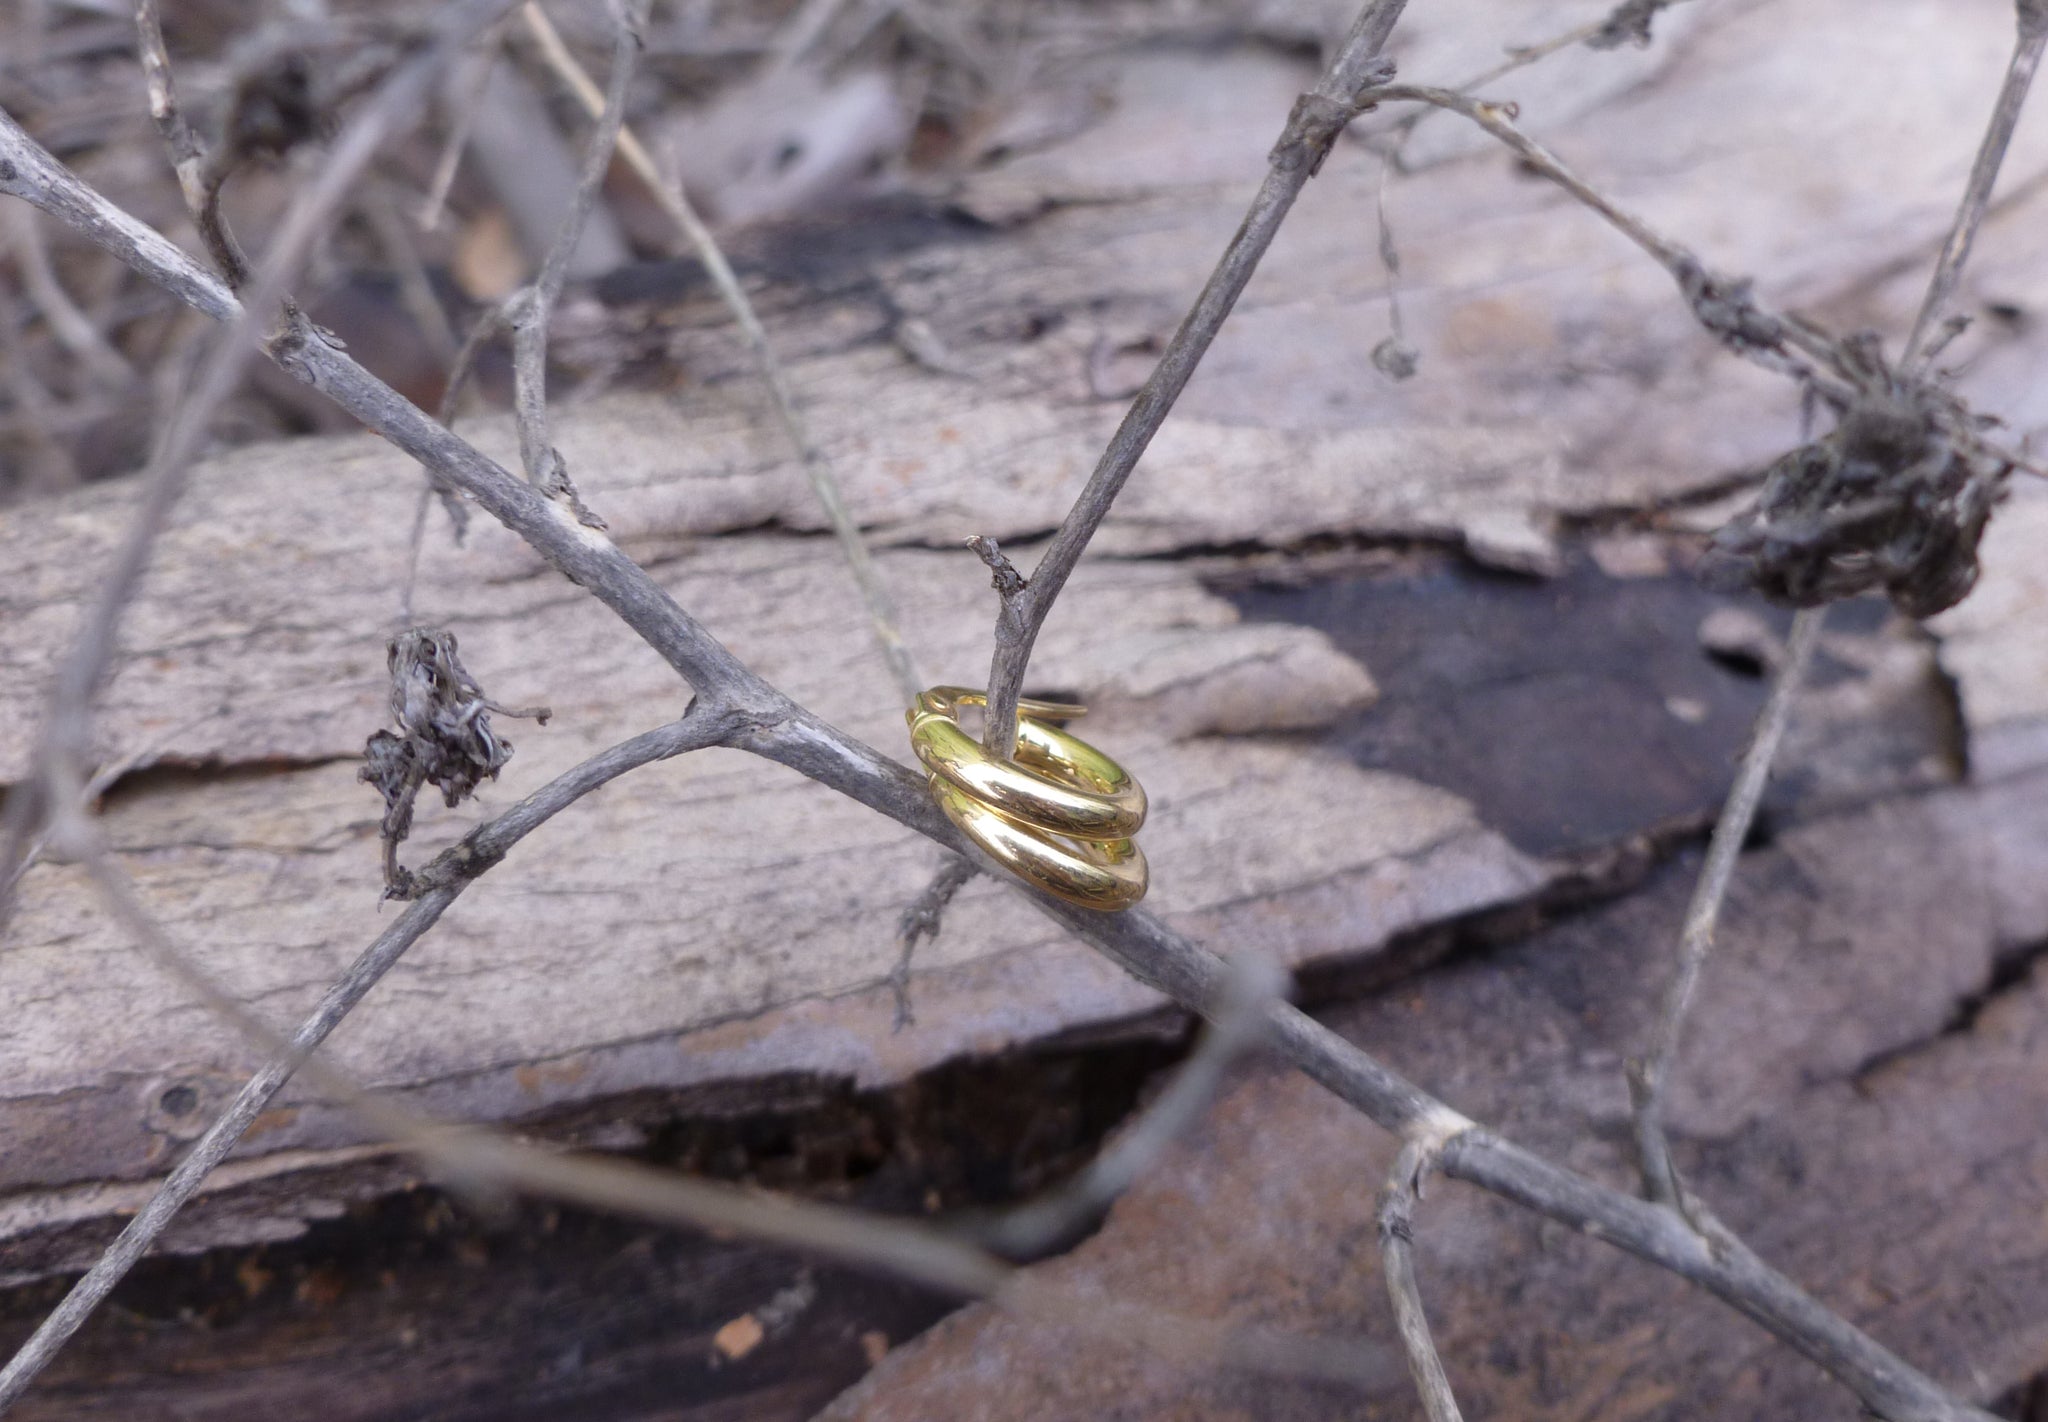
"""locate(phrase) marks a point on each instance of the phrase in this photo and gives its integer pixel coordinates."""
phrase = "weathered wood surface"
(717, 922)
(1903, 1184)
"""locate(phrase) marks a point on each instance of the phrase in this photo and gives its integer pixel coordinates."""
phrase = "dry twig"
(675, 204)
(1318, 117)
(920, 923)
(2005, 116)
(1396, 1216)
(1647, 1073)
(529, 312)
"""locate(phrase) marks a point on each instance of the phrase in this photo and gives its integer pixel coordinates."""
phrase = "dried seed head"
(443, 714)
(444, 737)
(1895, 498)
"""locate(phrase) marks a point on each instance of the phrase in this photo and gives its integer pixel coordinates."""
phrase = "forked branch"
(1396, 1216)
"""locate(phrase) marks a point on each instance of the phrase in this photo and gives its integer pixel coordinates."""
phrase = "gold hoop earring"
(1060, 816)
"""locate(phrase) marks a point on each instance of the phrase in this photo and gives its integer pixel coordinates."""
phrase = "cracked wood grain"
(810, 742)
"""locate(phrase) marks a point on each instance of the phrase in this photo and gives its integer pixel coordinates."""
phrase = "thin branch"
(1396, 1216)
(453, 871)
(29, 172)
(73, 329)
(669, 196)
(1648, 1073)
(489, 325)
(1393, 357)
(1722, 304)
(920, 922)
(188, 154)
(1318, 117)
(1518, 58)
(774, 726)
(1045, 1224)
(530, 311)
(2005, 116)
(466, 108)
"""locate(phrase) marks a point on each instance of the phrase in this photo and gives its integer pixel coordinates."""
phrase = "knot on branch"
(1003, 574)
(1725, 307)
(444, 739)
(1010, 586)
(1895, 498)
(555, 482)
(1315, 122)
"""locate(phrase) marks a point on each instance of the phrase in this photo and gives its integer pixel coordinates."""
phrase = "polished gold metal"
(1060, 816)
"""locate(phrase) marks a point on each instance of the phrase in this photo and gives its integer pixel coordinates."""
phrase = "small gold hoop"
(1060, 817)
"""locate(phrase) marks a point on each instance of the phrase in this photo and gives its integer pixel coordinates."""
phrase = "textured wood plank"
(1895, 1169)
(717, 919)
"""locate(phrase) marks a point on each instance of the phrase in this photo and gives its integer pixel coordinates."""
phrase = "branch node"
(1013, 617)
(1005, 579)
(1313, 126)
(1725, 307)
(1395, 1216)
(557, 485)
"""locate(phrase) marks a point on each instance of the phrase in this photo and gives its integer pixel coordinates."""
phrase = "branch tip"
(1003, 575)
